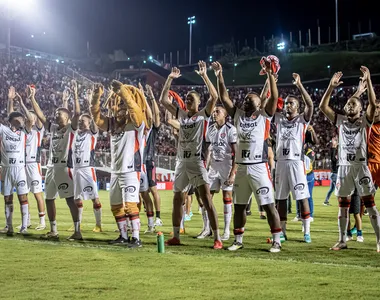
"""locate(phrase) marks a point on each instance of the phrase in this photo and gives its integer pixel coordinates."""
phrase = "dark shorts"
(356, 203)
(151, 172)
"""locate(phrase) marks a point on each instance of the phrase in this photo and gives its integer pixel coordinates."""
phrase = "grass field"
(92, 269)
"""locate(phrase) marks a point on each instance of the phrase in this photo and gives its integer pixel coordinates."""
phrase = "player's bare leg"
(74, 210)
(206, 231)
(97, 206)
(149, 211)
(275, 226)
(305, 218)
(374, 216)
(41, 210)
(282, 208)
(188, 202)
(8, 215)
(24, 207)
(205, 195)
(176, 218)
(240, 218)
(157, 205)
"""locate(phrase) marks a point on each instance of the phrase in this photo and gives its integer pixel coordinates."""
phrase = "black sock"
(158, 214)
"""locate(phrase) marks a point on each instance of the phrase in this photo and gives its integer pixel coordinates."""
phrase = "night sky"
(160, 26)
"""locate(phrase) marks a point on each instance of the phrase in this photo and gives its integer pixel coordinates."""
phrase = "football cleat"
(10, 231)
(120, 241)
(150, 230)
(181, 231)
(4, 230)
(23, 231)
(98, 229)
(262, 217)
(50, 235)
(360, 239)
(339, 246)
(307, 238)
(20, 226)
(235, 246)
(276, 247)
(187, 218)
(296, 219)
(204, 234)
(217, 245)
(158, 222)
(77, 236)
(134, 243)
(225, 236)
(349, 238)
(326, 203)
(173, 242)
(40, 227)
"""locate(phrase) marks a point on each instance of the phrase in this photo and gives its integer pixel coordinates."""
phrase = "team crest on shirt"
(194, 118)
(223, 135)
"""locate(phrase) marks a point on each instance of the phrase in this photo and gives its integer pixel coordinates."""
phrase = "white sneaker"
(150, 230)
(40, 227)
(23, 231)
(158, 222)
(311, 219)
(276, 247)
(204, 234)
(225, 236)
(77, 236)
(20, 226)
(4, 230)
(235, 246)
(296, 219)
(348, 238)
(360, 239)
(50, 235)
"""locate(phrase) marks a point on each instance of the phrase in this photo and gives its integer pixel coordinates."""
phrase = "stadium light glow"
(17, 5)
(235, 64)
(32, 36)
(150, 57)
(129, 58)
(57, 60)
(210, 58)
(281, 46)
(144, 61)
(328, 67)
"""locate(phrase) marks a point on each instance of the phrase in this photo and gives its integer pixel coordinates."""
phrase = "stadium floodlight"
(32, 36)
(129, 58)
(281, 46)
(210, 58)
(150, 57)
(328, 67)
(190, 21)
(235, 64)
(144, 61)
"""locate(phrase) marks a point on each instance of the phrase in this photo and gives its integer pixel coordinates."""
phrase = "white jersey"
(191, 135)
(352, 140)
(125, 149)
(252, 137)
(12, 147)
(290, 138)
(60, 151)
(220, 141)
(84, 149)
(33, 145)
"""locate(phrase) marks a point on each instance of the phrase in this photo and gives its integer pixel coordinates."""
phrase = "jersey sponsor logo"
(88, 189)
(245, 153)
(248, 125)
(130, 189)
(351, 157)
(262, 191)
(365, 180)
(63, 186)
(12, 139)
(221, 143)
(21, 183)
(186, 154)
(299, 187)
(188, 126)
(34, 182)
(245, 136)
(12, 161)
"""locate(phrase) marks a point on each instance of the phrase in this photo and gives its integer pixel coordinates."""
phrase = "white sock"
(227, 217)
(306, 225)
(25, 214)
(375, 221)
(182, 226)
(150, 216)
(136, 228)
(80, 213)
(29, 221)
(343, 223)
(122, 225)
(41, 215)
(98, 216)
(129, 224)
(9, 214)
(77, 226)
(276, 236)
(53, 226)
(176, 232)
(283, 227)
(206, 223)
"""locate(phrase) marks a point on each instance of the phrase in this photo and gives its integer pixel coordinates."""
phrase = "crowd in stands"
(50, 83)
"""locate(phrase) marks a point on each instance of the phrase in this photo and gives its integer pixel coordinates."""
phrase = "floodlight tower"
(190, 21)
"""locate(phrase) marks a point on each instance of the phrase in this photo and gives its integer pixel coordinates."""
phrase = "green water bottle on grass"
(160, 242)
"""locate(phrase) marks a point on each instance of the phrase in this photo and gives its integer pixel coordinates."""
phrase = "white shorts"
(13, 177)
(254, 179)
(193, 172)
(59, 181)
(351, 177)
(125, 188)
(85, 184)
(217, 175)
(144, 183)
(34, 177)
(290, 177)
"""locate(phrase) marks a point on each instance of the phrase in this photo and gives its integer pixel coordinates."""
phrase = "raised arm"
(271, 106)
(324, 105)
(211, 89)
(155, 109)
(314, 137)
(29, 116)
(100, 120)
(149, 115)
(309, 106)
(164, 98)
(371, 108)
(75, 119)
(11, 97)
(65, 98)
(222, 90)
(40, 115)
(172, 122)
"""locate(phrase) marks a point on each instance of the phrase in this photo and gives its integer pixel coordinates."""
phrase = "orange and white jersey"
(191, 135)
(33, 145)
(84, 149)
(374, 144)
(252, 137)
(12, 147)
(125, 149)
(290, 137)
(61, 141)
(352, 147)
(220, 140)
